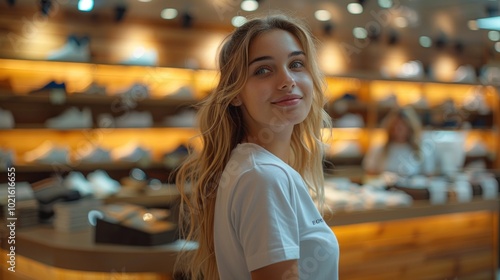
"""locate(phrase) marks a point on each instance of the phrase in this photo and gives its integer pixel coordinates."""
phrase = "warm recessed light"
(85, 5)
(494, 35)
(359, 32)
(238, 21)
(385, 3)
(425, 41)
(355, 8)
(322, 15)
(144, 1)
(169, 13)
(401, 22)
(249, 5)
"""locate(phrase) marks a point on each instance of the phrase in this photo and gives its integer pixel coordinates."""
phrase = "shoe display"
(76, 49)
(131, 152)
(465, 74)
(102, 185)
(182, 93)
(71, 118)
(186, 118)
(6, 119)
(411, 70)
(7, 158)
(130, 96)
(76, 181)
(174, 158)
(94, 155)
(134, 119)
(349, 120)
(490, 75)
(345, 149)
(70, 216)
(390, 101)
(51, 86)
(475, 101)
(142, 57)
(48, 153)
(94, 89)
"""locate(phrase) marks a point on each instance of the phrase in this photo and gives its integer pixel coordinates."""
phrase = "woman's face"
(400, 132)
(279, 88)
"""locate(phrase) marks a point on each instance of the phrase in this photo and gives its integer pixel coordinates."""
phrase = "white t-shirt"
(400, 159)
(264, 215)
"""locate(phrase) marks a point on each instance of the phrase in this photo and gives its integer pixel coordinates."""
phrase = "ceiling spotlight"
(425, 41)
(120, 12)
(238, 21)
(393, 38)
(459, 46)
(85, 5)
(169, 13)
(494, 35)
(441, 41)
(322, 15)
(45, 6)
(187, 20)
(401, 22)
(328, 28)
(249, 5)
(359, 33)
(355, 8)
(385, 3)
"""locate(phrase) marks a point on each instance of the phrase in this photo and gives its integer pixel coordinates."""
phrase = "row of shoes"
(77, 49)
(343, 195)
(352, 149)
(50, 153)
(414, 69)
(26, 205)
(76, 118)
(130, 94)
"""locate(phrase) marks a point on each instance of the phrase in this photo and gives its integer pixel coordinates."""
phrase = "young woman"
(246, 197)
(403, 152)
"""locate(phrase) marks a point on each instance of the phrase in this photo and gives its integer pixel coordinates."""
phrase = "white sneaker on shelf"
(134, 119)
(142, 57)
(350, 120)
(490, 75)
(465, 74)
(411, 70)
(182, 93)
(6, 119)
(71, 118)
(95, 155)
(7, 158)
(94, 89)
(75, 49)
(390, 101)
(476, 101)
(131, 153)
(186, 118)
(102, 184)
(76, 181)
(48, 153)
(476, 148)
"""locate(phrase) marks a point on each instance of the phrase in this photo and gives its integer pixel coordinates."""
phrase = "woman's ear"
(236, 102)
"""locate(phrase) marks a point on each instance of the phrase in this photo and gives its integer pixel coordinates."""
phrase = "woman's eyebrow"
(267, 57)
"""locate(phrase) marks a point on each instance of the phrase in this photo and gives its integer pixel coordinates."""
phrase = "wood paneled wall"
(454, 246)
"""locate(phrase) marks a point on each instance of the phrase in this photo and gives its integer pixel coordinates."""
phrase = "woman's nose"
(286, 82)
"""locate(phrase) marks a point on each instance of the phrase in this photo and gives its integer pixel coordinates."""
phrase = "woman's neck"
(277, 143)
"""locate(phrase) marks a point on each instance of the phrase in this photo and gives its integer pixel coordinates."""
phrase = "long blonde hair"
(408, 116)
(222, 128)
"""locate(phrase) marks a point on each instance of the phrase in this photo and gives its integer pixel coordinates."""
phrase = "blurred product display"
(71, 118)
(76, 49)
(6, 119)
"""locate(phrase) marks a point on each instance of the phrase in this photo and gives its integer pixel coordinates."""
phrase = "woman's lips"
(288, 102)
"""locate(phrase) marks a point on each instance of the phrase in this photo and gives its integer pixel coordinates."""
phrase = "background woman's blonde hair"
(410, 118)
(222, 128)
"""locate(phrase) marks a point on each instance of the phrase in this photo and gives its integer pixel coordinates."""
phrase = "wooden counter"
(420, 242)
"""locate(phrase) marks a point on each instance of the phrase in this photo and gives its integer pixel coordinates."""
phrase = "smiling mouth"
(287, 100)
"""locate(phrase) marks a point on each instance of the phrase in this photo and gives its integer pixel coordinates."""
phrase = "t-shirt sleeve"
(264, 217)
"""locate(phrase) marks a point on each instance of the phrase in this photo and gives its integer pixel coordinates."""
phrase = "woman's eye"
(262, 71)
(297, 64)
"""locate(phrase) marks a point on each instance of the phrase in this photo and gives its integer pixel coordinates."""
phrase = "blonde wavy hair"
(410, 118)
(222, 128)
